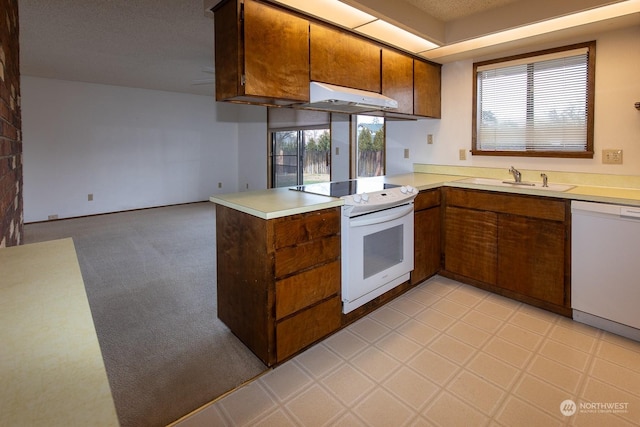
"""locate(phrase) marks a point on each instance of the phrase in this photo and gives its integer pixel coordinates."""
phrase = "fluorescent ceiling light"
(556, 24)
(395, 36)
(331, 10)
(354, 19)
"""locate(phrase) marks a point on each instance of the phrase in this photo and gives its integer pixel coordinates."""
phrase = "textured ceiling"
(449, 10)
(139, 43)
(168, 44)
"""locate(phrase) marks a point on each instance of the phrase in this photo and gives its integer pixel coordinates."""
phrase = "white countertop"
(275, 202)
(279, 202)
(50, 361)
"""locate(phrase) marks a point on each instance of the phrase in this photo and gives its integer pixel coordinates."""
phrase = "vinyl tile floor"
(446, 354)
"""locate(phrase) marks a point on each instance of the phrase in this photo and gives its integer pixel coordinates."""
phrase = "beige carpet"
(150, 280)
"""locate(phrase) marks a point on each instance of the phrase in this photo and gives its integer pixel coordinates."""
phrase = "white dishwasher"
(605, 267)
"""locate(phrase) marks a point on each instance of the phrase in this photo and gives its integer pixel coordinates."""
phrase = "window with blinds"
(540, 104)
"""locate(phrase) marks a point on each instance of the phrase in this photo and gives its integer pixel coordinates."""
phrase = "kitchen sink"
(513, 184)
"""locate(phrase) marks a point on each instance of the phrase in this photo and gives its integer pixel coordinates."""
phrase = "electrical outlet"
(430, 139)
(337, 151)
(406, 153)
(612, 157)
(462, 153)
(219, 185)
(90, 197)
(55, 216)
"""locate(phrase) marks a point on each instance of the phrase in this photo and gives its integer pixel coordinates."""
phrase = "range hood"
(328, 97)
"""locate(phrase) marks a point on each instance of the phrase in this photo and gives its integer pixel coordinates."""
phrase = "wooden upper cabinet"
(426, 95)
(397, 79)
(343, 59)
(261, 54)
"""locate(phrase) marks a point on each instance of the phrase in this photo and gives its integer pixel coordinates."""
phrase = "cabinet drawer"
(530, 206)
(297, 332)
(427, 199)
(302, 228)
(300, 257)
(301, 290)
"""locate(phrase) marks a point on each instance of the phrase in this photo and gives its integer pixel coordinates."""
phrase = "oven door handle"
(375, 218)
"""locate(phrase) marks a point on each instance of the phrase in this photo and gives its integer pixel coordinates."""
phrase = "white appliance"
(324, 96)
(377, 244)
(377, 236)
(605, 275)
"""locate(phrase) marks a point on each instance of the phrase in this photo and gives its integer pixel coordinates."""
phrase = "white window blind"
(538, 103)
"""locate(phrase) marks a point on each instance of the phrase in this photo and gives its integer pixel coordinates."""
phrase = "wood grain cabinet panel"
(427, 89)
(531, 257)
(261, 54)
(297, 332)
(278, 293)
(304, 289)
(304, 228)
(471, 243)
(344, 59)
(515, 245)
(299, 257)
(427, 232)
(397, 79)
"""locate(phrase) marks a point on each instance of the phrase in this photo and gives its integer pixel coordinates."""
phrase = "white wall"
(617, 122)
(340, 126)
(130, 148)
(252, 147)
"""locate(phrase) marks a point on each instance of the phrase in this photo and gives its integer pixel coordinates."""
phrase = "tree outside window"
(370, 146)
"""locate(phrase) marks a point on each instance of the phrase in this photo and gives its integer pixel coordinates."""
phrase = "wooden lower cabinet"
(515, 245)
(278, 280)
(471, 240)
(531, 258)
(427, 233)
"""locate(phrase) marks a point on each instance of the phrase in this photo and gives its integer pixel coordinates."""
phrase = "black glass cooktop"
(344, 188)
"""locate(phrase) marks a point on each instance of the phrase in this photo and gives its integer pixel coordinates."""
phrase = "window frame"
(589, 145)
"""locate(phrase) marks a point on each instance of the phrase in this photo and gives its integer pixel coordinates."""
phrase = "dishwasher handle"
(630, 212)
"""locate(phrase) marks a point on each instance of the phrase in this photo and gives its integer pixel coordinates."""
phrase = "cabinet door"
(426, 93)
(426, 244)
(276, 53)
(531, 257)
(228, 51)
(471, 239)
(343, 59)
(397, 79)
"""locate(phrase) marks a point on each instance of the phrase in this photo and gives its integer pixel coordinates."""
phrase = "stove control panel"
(382, 199)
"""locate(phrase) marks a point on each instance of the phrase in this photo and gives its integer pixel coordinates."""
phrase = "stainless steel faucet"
(517, 176)
(545, 179)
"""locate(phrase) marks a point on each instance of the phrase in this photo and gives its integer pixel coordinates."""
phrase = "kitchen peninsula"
(279, 250)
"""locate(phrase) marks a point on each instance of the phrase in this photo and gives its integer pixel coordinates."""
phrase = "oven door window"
(382, 250)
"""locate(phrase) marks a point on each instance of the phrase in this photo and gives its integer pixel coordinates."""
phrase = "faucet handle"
(545, 179)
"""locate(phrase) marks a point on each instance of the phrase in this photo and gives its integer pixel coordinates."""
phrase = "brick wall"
(11, 216)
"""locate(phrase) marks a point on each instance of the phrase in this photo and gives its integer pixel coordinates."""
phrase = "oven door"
(377, 254)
